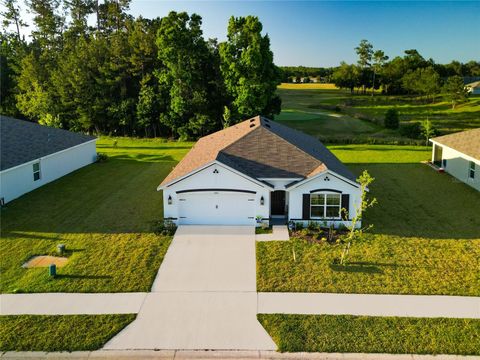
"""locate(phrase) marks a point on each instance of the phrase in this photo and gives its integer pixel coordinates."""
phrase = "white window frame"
(471, 170)
(39, 171)
(325, 206)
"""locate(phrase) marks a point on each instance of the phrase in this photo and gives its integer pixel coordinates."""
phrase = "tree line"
(299, 73)
(132, 76)
(408, 74)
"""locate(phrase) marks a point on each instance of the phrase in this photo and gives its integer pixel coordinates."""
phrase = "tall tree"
(454, 89)
(346, 76)
(422, 81)
(11, 16)
(365, 52)
(250, 76)
(379, 59)
(185, 75)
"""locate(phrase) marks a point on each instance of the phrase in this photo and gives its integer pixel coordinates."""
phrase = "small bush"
(164, 227)
(412, 130)
(299, 226)
(102, 157)
(391, 119)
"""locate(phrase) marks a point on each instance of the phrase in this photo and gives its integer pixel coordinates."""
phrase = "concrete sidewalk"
(279, 233)
(71, 303)
(370, 305)
(204, 296)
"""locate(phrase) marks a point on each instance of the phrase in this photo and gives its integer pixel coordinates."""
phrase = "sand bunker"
(45, 261)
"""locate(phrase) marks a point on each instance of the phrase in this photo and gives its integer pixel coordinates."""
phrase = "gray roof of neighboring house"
(466, 142)
(262, 149)
(23, 141)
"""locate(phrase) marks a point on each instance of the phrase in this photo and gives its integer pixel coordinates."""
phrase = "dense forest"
(122, 75)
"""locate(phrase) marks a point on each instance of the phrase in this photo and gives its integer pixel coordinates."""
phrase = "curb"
(215, 355)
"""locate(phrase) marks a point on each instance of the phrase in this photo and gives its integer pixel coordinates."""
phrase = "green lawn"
(334, 115)
(102, 213)
(59, 333)
(362, 334)
(425, 239)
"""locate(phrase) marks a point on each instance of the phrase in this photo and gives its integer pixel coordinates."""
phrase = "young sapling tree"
(356, 232)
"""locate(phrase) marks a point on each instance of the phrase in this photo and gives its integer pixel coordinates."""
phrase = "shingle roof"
(23, 141)
(261, 148)
(467, 142)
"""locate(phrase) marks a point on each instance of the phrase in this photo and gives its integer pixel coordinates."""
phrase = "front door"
(277, 202)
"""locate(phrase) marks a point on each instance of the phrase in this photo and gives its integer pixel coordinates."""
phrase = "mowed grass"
(425, 239)
(102, 213)
(309, 108)
(301, 109)
(362, 334)
(59, 333)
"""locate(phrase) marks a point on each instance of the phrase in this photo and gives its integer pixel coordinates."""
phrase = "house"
(473, 88)
(32, 155)
(459, 155)
(259, 169)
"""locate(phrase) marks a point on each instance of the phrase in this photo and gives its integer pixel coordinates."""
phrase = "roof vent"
(252, 120)
(252, 125)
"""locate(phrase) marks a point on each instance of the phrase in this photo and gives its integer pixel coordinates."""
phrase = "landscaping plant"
(357, 233)
(391, 119)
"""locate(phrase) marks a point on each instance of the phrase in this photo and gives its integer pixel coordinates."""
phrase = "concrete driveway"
(204, 296)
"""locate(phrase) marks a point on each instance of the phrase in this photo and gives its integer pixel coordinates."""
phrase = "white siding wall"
(18, 181)
(296, 194)
(458, 166)
(224, 179)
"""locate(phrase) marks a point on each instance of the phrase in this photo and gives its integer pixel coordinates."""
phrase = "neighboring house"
(473, 88)
(33, 155)
(459, 155)
(259, 168)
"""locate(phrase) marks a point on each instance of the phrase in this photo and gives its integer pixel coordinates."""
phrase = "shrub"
(102, 157)
(299, 225)
(164, 227)
(412, 130)
(391, 119)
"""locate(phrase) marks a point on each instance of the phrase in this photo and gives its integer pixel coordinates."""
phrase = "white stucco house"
(459, 155)
(33, 155)
(473, 88)
(259, 169)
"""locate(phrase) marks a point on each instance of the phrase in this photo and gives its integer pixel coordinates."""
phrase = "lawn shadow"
(81, 277)
(118, 196)
(356, 268)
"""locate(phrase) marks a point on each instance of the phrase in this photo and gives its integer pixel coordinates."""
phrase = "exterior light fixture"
(262, 201)
(326, 178)
(170, 200)
(215, 171)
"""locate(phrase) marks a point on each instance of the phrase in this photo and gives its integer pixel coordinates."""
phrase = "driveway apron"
(204, 296)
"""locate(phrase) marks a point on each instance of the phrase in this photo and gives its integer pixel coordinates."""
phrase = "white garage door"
(216, 208)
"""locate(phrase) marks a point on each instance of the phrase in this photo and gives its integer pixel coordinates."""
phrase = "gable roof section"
(23, 141)
(261, 148)
(466, 142)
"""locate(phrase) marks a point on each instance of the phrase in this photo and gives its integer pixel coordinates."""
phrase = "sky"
(324, 33)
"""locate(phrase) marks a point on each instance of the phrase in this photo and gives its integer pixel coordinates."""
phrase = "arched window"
(325, 205)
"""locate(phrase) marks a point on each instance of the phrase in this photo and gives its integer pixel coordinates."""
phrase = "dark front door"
(277, 203)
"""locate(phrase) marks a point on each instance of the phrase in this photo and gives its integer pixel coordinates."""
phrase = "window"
(444, 163)
(471, 170)
(36, 171)
(325, 205)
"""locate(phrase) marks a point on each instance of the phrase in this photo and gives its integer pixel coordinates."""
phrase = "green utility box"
(52, 270)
